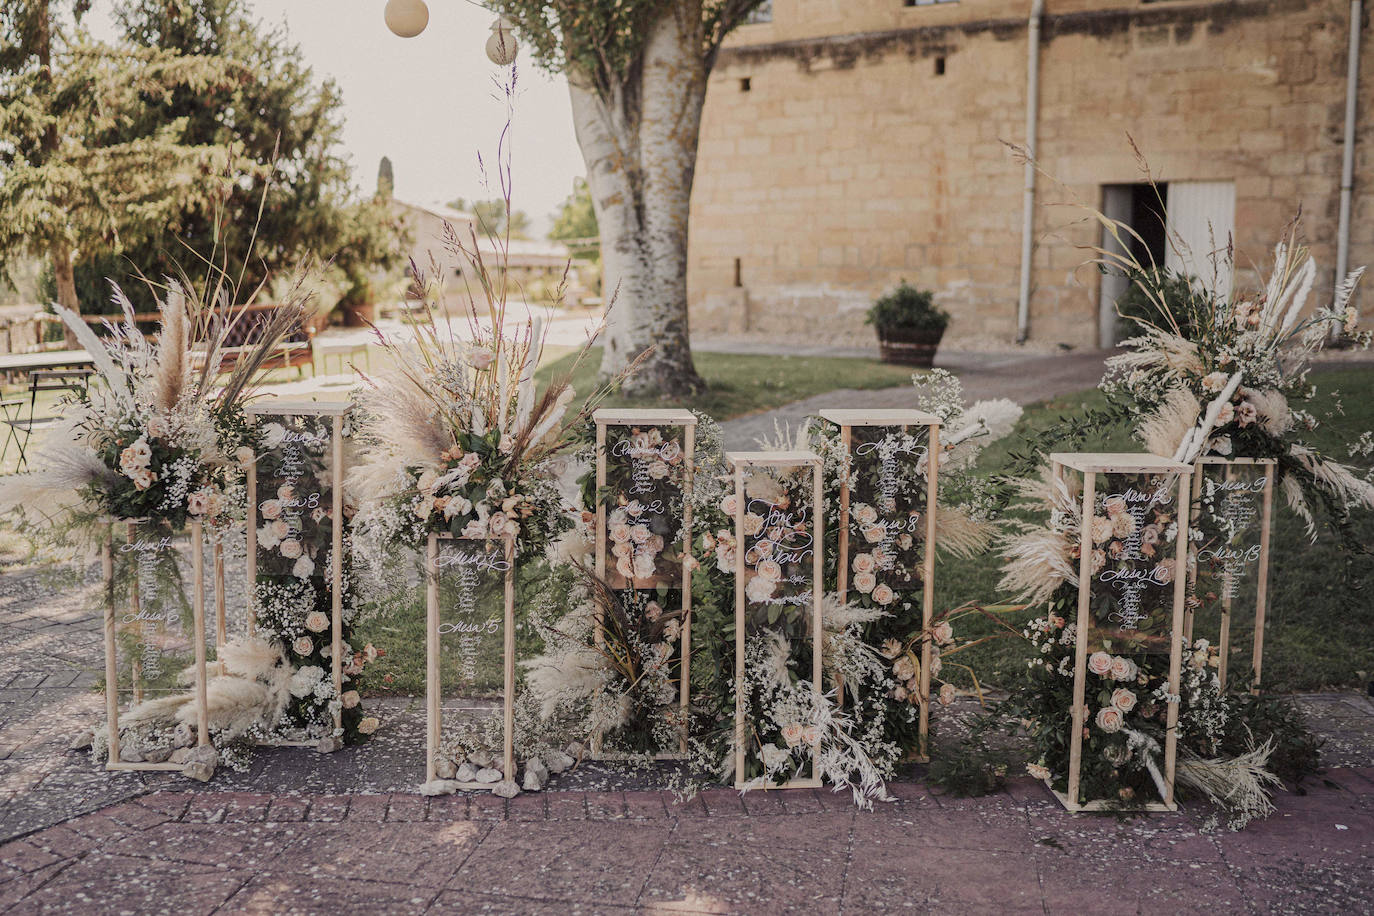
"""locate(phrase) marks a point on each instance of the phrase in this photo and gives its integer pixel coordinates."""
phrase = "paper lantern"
(501, 46)
(407, 18)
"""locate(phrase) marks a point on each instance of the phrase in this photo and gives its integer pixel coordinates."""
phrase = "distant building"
(848, 145)
(536, 265)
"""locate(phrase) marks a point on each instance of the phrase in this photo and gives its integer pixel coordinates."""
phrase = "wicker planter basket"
(909, 346)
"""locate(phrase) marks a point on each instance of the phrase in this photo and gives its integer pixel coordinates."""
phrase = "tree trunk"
(64, 274)
(639, 142)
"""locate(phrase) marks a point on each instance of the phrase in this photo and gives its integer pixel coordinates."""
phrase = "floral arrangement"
(644, 495)
(1208, 376)
(156, 434)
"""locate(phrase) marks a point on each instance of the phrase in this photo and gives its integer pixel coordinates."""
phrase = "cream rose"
(291, 548)
(942, 633)
(270, 508)
(865, 514)
(368, 725)
(303, 645)
(198, 503)
(640, 534)
(1100, 663)
(874, 534)
(759, 588)
(865, 582)
(1102, 529)
(883, 594)
(730, 505)
(792, 734)
(317, 621)
(1123, 699)
(644, 566)
(753, 524)
(770, 570)
(1110, 719)
(1123, 669)
(619, 533)
(1164, 572)
(350, 699)
(244, 455)
(946, 694)
(864, 562)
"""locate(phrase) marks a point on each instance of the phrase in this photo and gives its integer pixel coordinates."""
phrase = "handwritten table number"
(1132, 529)
(1234, 500)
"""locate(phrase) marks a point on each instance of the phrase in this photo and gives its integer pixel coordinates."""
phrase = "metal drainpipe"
(1352, 81)
(1028, 195)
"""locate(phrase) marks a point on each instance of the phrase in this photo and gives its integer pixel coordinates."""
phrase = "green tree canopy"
(491, 217)
(574, 222)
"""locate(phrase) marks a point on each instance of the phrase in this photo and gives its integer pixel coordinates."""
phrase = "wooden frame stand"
(902, 420)
(136, 612)
(1233, 487)
(433, 683)
(287, 411)
(627, 417)
(1095, 468)
(741, 461)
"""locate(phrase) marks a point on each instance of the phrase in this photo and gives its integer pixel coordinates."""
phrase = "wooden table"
(49, 359)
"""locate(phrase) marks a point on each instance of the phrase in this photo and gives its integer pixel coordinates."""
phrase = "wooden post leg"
(111, 662)
(337, 551)
(1262, 585)
(1080, 672)
(198, 618)
(688, 546)
(739, 627)
(432, 707)
(928, 585)
(508, 706)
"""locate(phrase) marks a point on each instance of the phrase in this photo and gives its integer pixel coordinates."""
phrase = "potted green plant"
(909, 325)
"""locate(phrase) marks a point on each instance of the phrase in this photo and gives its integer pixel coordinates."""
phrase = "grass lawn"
(1320, 622)
(743, 384)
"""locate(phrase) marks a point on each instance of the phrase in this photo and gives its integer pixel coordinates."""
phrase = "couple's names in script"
(793, 545)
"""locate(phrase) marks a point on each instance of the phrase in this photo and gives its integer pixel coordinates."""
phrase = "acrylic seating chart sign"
(1132, 543)
(295, 534)
(779, 530)
(154, 630)
(644, 468)
(886, 522)
(1234, 500)
(470, 657)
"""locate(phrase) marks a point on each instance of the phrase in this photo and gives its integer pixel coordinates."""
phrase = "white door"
(1202, 221)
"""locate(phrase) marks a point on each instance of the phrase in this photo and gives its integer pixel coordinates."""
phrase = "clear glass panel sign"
(153, 613)
(1228, 547)
(777, 634)
(887, 510)
(1133, 536)
(474, 646)
(643, 499)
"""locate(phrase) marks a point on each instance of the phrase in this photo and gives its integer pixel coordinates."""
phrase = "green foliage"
(1257, 719)
(90, 156)
(907, 308)
(972, 763)
(1177, 291)
(285, 191)
(603, 40)
(575, 220)
(494, 217)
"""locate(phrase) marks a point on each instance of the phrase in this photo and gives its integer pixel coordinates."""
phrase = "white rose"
(644, 566)
(874, 534)
(640, 534)
(658, 470)
(244, 455)
(268, 538)
(198, 503)
(273, 434)
(770, 570)
(304, 568)
(291, 548)
(303, 645)
(760, 588)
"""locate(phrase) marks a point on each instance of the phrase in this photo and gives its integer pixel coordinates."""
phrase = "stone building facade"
(849, 144)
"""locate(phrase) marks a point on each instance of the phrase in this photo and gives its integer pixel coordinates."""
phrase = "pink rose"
(1123, 700)
(865, 582)
(883, 594)
(1100, 663)
(1110, 719)
(864, 562)
(1123, 669)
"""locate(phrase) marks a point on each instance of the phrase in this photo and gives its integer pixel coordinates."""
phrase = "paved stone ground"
(303, 832)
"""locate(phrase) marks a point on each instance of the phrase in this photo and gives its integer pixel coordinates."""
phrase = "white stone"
(439, 787)
(506, 788)
(183, 736)
(329, 744)
(157, 754)
(83, 740)
(488, 774)
(558, 761)
(201, 762)
(444, 768)
(466, 773)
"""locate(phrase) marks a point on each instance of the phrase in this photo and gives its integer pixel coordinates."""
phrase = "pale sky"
(429, 102)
